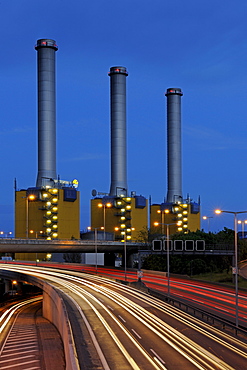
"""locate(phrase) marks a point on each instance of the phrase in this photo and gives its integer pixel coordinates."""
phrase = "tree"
(72, 257)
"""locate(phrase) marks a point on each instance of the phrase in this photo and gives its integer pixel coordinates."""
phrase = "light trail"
(7, 315)
(194, 353)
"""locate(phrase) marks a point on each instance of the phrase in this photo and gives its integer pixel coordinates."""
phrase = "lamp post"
(95, 247)
(242, 223)
(235, 269)
(104, 206)
(207, 218)
(28, 198)
(166, 211)
(167, 252)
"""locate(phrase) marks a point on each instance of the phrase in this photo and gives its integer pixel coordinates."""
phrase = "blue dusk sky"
(198, 46)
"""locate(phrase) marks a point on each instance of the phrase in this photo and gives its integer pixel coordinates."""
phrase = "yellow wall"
(193, 220)
(110, 217)
(68, 216)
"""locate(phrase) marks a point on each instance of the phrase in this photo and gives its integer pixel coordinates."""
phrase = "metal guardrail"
(211, 319)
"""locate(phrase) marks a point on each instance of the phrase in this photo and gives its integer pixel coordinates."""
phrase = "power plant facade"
(118, 212)
(181, 215)
(50, 210)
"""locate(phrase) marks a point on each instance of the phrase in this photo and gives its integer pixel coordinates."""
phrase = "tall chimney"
(174, 167)
(118, 131)
(46, 112)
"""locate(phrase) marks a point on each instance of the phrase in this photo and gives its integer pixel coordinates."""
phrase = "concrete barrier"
(55, 311)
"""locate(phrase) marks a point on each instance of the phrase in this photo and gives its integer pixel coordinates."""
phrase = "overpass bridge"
(103, 246)
(65, 246)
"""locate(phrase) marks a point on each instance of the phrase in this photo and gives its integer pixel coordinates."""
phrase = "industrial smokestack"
(118, 131)
(174, 167)
(46, 112)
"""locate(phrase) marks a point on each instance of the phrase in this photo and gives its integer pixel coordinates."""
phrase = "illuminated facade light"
(128, 237)
(123, 218)
(54, 200)
(48, 204)
(128, 207)
(54, 209)
(48, 213)
(122, 226)
(48, 221)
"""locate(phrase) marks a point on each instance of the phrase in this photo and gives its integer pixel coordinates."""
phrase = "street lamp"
(104, 206)
(28, 198)
(96, 247)
(235, 269)
(242, 223)
(167, 251)
(207, 218)
(13, 282)
(166, 211)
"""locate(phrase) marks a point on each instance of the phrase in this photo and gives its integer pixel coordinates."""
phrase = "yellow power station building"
(180, 217)
(122, 216)
(47, 213)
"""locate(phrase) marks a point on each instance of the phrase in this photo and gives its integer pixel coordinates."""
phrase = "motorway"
(127, 329)
(28, 341)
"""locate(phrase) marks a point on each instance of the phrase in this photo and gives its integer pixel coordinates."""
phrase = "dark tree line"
(193, 265)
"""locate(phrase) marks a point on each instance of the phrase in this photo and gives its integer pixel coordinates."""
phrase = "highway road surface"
(122, 328)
